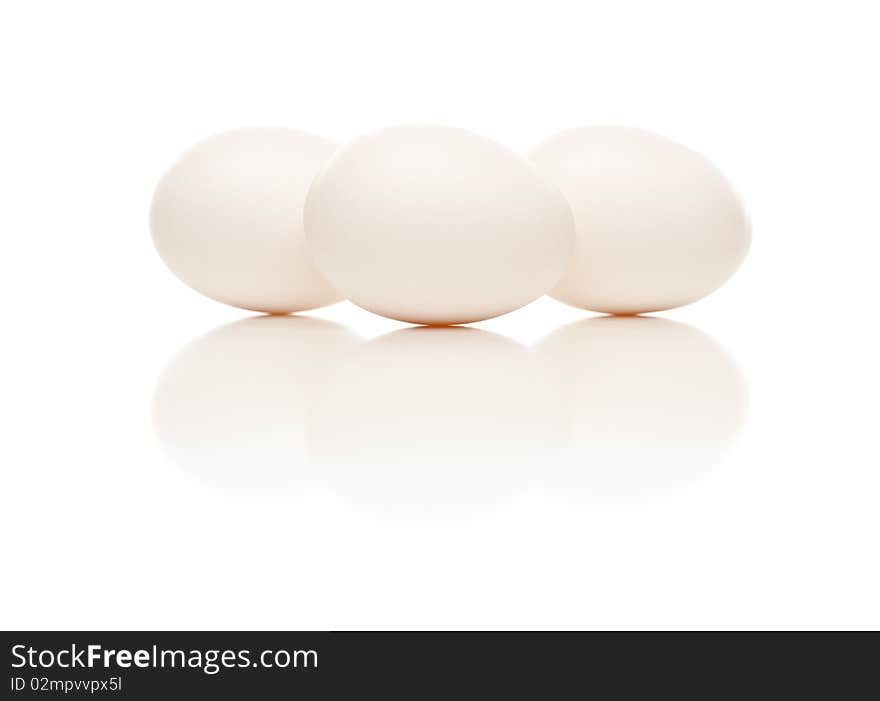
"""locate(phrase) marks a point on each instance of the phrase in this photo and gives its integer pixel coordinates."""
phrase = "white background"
(558, 473)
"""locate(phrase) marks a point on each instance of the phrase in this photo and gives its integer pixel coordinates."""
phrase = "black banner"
(146, 665)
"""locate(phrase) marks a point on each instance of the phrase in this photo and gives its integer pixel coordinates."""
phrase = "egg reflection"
(230, 408)
(442, 426)
(653, 406)
(434, 421)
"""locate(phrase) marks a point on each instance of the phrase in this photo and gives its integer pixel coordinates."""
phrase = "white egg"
(227, 218)
(434, 225)
(658, 226)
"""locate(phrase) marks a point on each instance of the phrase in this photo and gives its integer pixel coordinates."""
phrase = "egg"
(436, 225)
(658, 226)
(227, 218)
